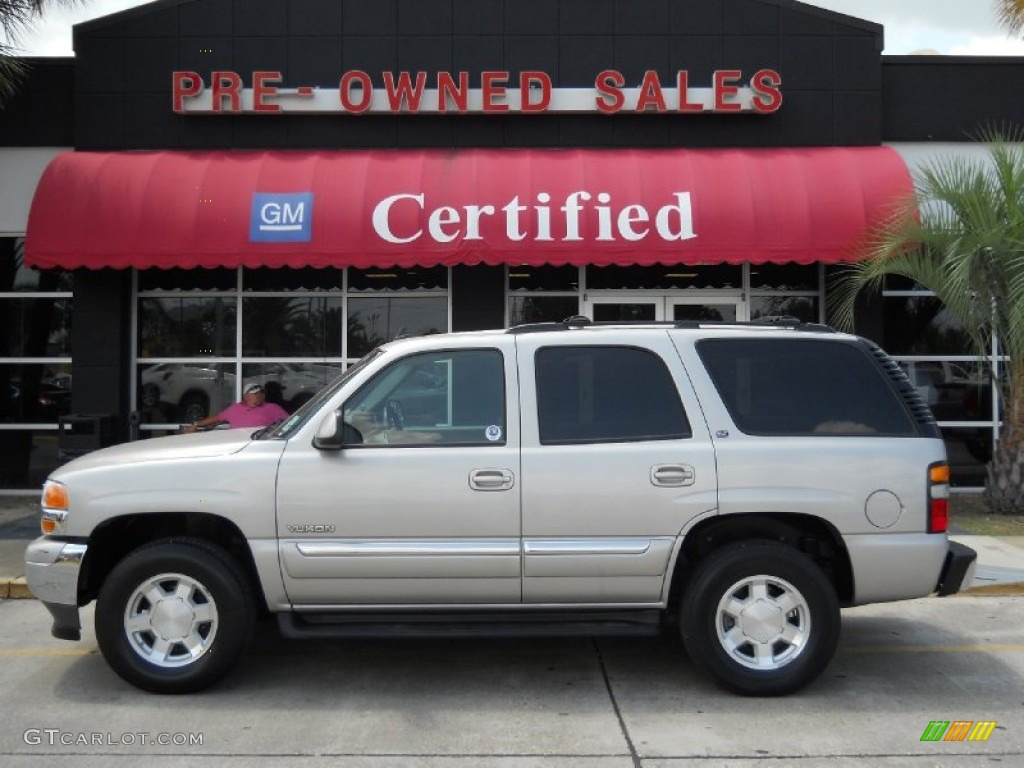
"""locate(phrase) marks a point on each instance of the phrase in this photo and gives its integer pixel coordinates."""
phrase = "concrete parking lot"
(513, 703)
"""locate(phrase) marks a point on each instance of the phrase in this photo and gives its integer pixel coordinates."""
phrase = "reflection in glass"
(290, 384)
(621, 312)
(179, 392)
(703, 312)
(784, 277)
(187, 327)
(15, 276)
(666, 277)
(27, 457)
(969, 451)
(375, 320)
(803, 308)
(398, 278)
(543, 278)
(35, 327)
(302, 279)
(541, 309)
(281, 326)
(34, 393)
(921, 325)
(188, 279)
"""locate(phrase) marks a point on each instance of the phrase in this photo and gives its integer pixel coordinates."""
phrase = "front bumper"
(51, 572)
(958, 569)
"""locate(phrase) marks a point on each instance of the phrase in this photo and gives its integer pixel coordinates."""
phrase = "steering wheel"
(393, 416)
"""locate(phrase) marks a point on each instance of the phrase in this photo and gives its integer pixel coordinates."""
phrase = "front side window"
(454, 397)
(793, 387)
(606, 394)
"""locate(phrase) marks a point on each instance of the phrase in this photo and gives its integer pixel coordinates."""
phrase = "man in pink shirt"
(253, 411)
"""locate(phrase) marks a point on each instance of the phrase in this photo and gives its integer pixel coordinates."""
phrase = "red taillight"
(938, 498)
(938, 516)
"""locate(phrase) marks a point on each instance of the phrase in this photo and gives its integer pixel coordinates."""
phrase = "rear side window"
(809, 387)
(606, 394)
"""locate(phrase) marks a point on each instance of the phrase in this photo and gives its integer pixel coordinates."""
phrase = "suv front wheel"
(174, 616)
(760, 617)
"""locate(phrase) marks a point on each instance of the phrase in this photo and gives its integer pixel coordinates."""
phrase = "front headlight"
(55, 503)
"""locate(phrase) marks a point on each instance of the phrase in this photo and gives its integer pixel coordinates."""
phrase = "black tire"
(768, 650)
(204, 625)
(149, 397)
(193, 407)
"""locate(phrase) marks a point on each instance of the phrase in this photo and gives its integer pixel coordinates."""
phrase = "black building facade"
(152, 343)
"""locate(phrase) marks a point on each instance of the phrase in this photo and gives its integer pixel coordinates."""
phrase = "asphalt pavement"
(1000, 559)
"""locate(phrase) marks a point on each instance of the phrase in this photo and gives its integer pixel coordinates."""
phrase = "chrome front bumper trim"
(51, 569)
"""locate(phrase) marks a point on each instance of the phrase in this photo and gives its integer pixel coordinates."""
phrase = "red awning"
(426, 207)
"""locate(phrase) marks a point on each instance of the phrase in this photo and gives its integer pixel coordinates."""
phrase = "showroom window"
(931, 346)
(35, 366)
(548, 293)
(202, 334)
(542, 294)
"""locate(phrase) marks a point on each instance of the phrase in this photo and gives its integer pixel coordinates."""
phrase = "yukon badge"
(310, 529)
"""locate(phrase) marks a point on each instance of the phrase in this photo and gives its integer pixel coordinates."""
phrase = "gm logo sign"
(281, 218)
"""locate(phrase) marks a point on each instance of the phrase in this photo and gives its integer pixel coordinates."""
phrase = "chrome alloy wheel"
(170, 620)
(763, 622)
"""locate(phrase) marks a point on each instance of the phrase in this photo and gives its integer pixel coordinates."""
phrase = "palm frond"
(17, 17)
(1010, 14)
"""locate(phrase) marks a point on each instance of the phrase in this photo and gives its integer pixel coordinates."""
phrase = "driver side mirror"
(333, 434)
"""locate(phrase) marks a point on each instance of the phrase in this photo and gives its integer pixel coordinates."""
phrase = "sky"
(953, 27)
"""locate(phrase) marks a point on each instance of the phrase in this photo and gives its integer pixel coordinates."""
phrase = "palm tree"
(16, 16)
(1011, 15)
(963, 239)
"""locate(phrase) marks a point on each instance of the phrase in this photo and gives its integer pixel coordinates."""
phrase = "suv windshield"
(287, 427)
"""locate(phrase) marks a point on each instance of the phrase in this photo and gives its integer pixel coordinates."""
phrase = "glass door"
(652, 308)
(728, 309)
(631, 308)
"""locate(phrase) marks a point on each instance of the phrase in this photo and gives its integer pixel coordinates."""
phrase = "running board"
(466, 624)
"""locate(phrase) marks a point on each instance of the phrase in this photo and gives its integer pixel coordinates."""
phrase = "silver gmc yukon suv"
(740, 483)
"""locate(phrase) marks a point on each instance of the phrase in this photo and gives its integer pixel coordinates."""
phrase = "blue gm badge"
(281, 218)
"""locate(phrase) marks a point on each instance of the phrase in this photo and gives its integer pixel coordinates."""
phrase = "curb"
(989, 590)
(15, 589)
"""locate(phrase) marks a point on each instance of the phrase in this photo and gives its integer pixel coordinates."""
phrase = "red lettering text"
(227, 85)
(185, 85)
(262, 90)
(404, 92)
(543, 89)
(609, 85)
(446, 89)
(494, 84)
(765, 85)
(724, 89)
(650, 93)
(683, 83)
(348, 80)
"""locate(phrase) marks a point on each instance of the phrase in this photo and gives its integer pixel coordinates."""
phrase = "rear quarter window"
(803, 387)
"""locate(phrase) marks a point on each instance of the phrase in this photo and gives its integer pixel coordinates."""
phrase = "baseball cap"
(253, 388)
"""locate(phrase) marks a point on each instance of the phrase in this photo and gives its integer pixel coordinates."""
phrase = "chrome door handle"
(673, 475)
(491, 479)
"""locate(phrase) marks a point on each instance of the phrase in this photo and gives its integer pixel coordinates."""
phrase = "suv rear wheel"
(761, 618)
(174, 616)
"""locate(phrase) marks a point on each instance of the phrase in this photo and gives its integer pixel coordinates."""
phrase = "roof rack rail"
(772, 322)
(574, 321)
